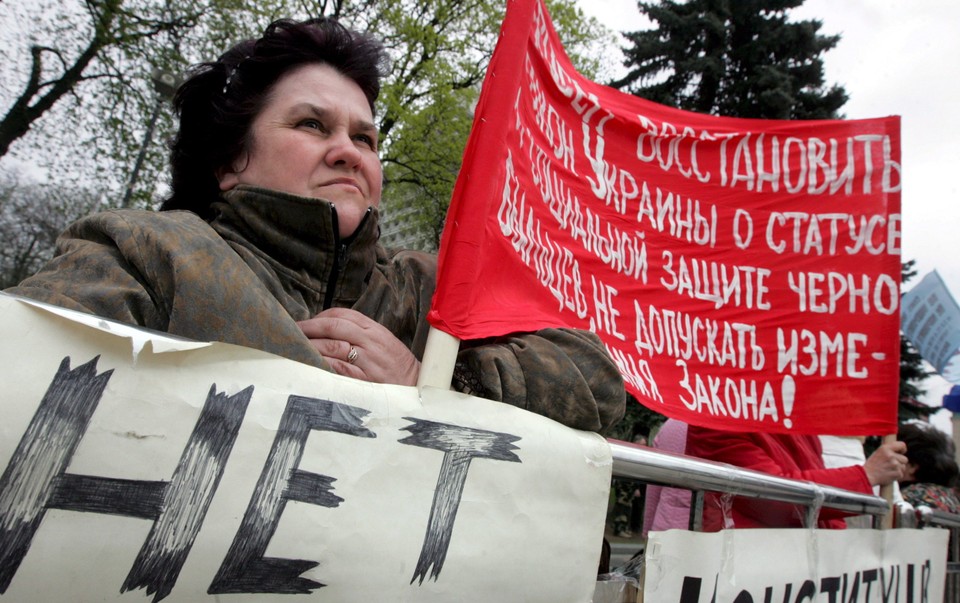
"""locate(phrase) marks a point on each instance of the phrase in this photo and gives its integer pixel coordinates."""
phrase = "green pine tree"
(739, 58)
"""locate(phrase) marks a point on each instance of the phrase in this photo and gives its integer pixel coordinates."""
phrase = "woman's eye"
(312, 124)
(364, 139)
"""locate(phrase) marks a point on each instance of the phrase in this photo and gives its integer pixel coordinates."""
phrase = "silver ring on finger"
(353, 354)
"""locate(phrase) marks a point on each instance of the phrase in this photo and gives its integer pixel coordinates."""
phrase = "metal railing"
(924, 516)
(652, 466)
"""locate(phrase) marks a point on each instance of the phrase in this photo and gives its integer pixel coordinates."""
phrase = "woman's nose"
(343, 152)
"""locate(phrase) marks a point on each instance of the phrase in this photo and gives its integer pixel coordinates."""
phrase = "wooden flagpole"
(439, 359)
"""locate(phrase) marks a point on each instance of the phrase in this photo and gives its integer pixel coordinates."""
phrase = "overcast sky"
(895, 57)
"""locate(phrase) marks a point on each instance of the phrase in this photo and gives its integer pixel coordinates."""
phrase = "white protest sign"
(796, 566)
(139, 467)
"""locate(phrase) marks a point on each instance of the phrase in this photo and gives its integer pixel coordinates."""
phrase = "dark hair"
(932, 452)
(219, 101)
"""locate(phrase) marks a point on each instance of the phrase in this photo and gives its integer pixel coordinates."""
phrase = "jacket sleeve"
(746, 450)
(743, 450)
(563, 374)
(91, 272)
(162, 270)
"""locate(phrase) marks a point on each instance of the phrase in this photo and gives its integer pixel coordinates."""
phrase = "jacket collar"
(299, 237)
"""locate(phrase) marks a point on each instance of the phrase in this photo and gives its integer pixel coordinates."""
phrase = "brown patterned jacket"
(269, 259)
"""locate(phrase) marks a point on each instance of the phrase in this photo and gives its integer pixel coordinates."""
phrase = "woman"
(932, 475)
(275, 163)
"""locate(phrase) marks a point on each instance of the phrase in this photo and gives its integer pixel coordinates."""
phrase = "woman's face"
(314, 137)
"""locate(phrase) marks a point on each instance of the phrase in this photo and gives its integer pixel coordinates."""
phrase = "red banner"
(744, 274)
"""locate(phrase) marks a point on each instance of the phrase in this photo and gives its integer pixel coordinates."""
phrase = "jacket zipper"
(334, 274)
(340, 252)
(339, 256)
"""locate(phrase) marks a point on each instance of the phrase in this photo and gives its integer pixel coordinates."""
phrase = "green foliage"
(440, 52)
(740, 58)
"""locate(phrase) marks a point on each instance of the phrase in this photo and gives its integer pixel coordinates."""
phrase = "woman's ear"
(228, 179)
(229, 175)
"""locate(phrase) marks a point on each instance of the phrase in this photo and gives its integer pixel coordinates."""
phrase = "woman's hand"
(887, 464)
(359, 347)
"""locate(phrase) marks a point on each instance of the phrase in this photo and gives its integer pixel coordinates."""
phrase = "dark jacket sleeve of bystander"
(564, 374)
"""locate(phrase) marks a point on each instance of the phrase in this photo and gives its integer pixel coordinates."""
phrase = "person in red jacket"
(791, 456)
